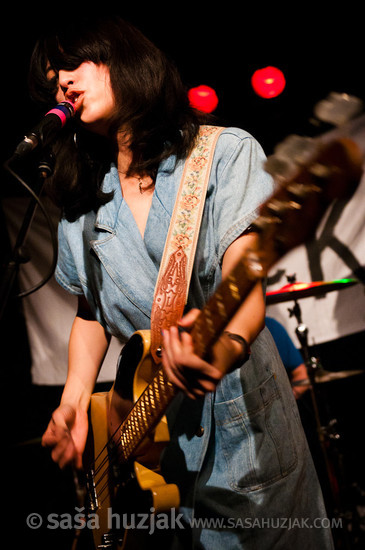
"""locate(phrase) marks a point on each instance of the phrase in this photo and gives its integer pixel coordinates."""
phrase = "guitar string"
(135, 444)
(142, 396)
(106, 461)
(125, 421)
(120, 426)
(156, 387)
(100, 475)
(153, 392)
(132, 422)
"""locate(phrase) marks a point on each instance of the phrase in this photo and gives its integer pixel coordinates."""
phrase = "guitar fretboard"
(146, 413)
(222, 305)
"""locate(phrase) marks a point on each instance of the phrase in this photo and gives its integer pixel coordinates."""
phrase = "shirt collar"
(107, 215)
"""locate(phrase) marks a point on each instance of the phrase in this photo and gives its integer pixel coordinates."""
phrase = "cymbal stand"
(326, 434)
(312, 364)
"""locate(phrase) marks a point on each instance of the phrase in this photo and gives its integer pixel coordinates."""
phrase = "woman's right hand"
(66, 434)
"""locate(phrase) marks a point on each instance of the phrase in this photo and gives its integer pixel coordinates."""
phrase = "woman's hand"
(67, 430)
(66, 434)
(187, 370)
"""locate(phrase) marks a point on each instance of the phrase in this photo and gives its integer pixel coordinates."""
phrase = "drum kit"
(327, 432)
(296, 291)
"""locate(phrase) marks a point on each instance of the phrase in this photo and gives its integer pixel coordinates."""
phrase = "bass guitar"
(128, 424)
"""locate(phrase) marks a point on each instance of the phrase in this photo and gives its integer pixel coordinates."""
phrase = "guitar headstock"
(309, 174)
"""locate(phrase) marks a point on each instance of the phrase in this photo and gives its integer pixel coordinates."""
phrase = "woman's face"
(89, 88)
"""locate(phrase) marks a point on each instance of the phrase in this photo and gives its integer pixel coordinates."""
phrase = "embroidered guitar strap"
(178, 257)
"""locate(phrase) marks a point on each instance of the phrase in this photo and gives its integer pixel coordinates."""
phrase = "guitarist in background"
(237, 450)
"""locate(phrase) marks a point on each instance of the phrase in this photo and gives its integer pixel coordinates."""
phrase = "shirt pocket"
(254, 438)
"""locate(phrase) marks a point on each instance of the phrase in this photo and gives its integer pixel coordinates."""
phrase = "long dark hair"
(151, 101)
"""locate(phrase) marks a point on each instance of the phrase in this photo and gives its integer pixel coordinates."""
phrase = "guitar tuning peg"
(280, 207)
(301, 191)
(263, 222)
(276, 206)
(289, 155)
(297, 148)
(337, 109)
(279, 168)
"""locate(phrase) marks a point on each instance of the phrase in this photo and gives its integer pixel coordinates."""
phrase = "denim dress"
(239, 456)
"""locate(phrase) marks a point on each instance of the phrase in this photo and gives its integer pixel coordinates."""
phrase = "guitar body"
(124, 492)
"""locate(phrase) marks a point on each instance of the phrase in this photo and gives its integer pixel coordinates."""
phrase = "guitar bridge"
(92, 496)
(110, 541)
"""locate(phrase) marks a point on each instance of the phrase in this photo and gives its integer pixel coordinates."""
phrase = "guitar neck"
(146, 413)
(287, 219)
(224, 303)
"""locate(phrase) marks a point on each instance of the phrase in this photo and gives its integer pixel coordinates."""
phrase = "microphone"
(47, 129)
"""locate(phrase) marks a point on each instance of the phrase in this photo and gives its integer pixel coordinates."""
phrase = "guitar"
(128, 428)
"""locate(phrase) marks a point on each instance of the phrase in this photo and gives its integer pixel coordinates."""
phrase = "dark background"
(319, 48)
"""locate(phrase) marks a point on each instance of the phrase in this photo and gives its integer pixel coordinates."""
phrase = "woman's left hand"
(183, 367)
(188, 371)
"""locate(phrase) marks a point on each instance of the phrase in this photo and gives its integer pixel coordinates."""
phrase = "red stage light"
(268, 82)
(203, 98)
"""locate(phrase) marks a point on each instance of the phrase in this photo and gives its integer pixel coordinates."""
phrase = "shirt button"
(200, 431)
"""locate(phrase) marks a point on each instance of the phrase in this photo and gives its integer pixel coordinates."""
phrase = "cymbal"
(295, 291)
(327, 376)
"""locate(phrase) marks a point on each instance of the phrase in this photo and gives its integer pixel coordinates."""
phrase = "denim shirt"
(239, 451)
(103, 255)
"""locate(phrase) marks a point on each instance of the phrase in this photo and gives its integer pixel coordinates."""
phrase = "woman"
(237, 451)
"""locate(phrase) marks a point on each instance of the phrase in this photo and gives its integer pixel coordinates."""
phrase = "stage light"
(268, 82)
(203, 98)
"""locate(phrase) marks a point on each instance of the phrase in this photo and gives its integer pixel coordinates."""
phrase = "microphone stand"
(18, 256)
